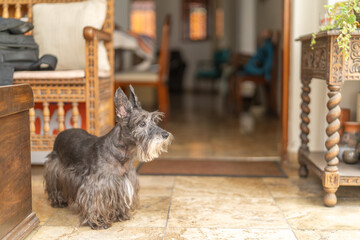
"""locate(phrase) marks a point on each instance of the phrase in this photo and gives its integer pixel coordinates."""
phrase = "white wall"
(305, 20)
(349, 93)
(246, 26)
(230, 13)
(192, 52)
(122, 13)
(269, 15)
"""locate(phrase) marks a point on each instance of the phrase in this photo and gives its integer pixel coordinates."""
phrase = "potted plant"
(345, 17)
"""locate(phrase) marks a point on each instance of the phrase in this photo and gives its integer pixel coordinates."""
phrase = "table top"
(15, 98)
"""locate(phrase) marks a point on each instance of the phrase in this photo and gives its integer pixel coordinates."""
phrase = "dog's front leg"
(104, 199)
(96, 199)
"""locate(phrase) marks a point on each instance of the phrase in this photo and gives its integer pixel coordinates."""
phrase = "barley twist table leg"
(304, 126)
(331, 178)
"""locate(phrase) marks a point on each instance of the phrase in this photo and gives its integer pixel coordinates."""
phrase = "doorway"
(202, 121)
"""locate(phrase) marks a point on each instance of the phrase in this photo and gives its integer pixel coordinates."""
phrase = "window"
(219, 22)
(143, 17)
(195, 19)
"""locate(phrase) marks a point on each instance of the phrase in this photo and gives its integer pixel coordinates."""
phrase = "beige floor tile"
(37, 185)
(295, 187)
(156, 185)
(42, 208)
(327, 234)
(64, 217)
(228, 234)
(225, 212)
(151, 213)
(82, 233)
(311, 214)
(37, 179)
(291, 169)
(220, 186)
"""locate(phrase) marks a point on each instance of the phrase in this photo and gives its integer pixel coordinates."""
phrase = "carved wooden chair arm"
(91, 33)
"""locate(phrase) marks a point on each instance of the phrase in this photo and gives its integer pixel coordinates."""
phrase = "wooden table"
(326, 62)
(16, 216)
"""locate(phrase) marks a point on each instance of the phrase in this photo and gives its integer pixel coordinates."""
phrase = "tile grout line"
(168, 213)
(42, 225)
(281, 212)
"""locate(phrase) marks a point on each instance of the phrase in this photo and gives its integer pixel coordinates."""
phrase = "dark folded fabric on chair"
(20, 51)
(6, 75)
(8, 40)
(15, 26)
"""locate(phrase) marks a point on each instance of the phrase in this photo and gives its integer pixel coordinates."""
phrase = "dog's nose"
(165, 135)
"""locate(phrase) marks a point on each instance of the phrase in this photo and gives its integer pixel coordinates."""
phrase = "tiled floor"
(216, 207)
(203, 128)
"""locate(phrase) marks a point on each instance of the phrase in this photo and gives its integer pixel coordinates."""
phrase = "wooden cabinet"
(16, 216)
(326, 62)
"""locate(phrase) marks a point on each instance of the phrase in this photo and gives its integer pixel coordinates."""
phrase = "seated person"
(261, 63)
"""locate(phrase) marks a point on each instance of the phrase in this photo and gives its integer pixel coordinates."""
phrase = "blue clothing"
(261, 62)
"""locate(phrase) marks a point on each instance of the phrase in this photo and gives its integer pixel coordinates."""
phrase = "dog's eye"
(142, 124)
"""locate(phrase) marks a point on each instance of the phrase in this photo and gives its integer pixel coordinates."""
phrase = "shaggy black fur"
(96, 174)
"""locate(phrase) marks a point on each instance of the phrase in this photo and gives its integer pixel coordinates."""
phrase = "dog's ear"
(133, 98)
(122, 104)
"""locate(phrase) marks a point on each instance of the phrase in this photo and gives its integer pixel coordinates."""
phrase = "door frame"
(285, 77)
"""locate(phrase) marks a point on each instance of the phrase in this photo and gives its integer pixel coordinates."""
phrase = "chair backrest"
(21, 8)
(221, 56)
(164, 54)
(275, 41)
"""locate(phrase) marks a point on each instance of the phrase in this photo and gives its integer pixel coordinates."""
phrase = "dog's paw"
(99, 227)
(123, 217)
(56, 204)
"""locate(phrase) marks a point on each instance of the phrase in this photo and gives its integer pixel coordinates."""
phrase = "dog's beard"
(153, 148)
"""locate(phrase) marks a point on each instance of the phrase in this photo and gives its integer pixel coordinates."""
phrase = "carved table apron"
(326, 62)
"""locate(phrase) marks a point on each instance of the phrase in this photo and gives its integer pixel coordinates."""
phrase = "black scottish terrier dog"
(96, 174)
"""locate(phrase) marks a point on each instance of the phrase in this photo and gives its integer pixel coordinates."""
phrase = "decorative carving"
(32, 120)
(305, 110)
(61, 117)
(5, 13)
(46, 114)
(350, 181)
(332, 128)
(331, 183)
(352, 66)
(331, 180)
(75, 114)
(305, 120)
(92, 84)
(337, 62)
(315, 61)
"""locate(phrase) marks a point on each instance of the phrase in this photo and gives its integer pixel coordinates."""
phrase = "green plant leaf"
(351, 19)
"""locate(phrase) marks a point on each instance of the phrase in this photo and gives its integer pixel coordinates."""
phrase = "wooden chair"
(270, 85)
(88, 86)
(155, 79)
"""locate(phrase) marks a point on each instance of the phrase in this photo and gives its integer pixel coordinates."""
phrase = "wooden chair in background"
(59, 89)
(269, 84)
(155, 79)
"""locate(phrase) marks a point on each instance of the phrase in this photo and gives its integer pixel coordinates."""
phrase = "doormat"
(212, 168)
